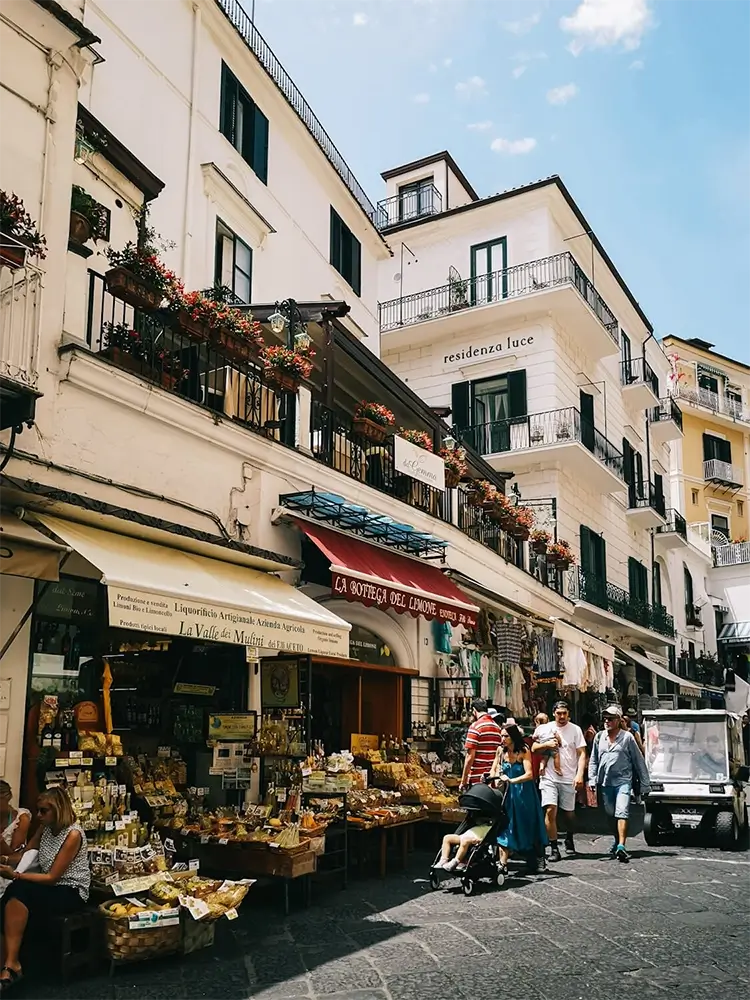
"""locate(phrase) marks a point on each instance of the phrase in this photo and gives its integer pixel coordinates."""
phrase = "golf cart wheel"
(727, 832)
(468, 885)
(434, 880)
(650, 829)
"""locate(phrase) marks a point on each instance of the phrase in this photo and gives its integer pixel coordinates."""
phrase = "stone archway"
(389, 630)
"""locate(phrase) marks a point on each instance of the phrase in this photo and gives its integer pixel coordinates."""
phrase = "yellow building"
(711, 468)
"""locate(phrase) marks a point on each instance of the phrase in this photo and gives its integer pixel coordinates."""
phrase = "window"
(689, 597)
(487, 259)
(416, 200)
(708, 382)
(488, 409)
(716, 447)
(626, 354)
(740, 508)
(632, 461)
(593, 567)
(637, 581)
(694, 496)
(656, 585)
(346, 252)
(233, 262)
(243, 123)
(719, 524)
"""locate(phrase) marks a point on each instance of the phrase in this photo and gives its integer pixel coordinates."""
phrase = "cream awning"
(24, 551)
(688, 688)
(568, 633)
(154, 588)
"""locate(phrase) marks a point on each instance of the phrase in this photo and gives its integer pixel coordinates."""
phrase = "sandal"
(14, 978)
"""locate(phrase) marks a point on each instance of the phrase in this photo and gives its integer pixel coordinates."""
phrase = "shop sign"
(362, 742)
(206, 690)
(383, 596)
(135, 609)
(411, 460)
(367, 647)
(279, 684)
(232, 726)
(461, 355)
(69, 599)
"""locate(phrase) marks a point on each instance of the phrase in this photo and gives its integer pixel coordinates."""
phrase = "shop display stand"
(340, 835)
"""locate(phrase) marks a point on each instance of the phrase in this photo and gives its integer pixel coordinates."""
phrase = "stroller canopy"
(482, 798)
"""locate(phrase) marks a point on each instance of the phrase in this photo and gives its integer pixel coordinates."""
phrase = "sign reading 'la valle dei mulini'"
(167, 615)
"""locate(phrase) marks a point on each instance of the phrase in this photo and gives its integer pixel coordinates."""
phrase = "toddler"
(464, 842)
(541, 720)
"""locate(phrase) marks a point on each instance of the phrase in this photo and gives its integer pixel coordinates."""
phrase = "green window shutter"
(460, 404)
(260, 145)
(335, 240)
(709, 447)
(724, 451)
(627, 461)
(656, 585)
(586, 562)
(602, 560)
(517, 406)
(228, 110)
(633, 582)
(356, 278)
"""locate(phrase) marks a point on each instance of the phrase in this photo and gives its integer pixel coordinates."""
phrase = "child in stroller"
(476, 840)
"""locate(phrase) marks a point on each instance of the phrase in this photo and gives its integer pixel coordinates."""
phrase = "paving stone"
(345, 975)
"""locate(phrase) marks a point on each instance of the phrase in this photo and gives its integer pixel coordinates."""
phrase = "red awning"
(369, 575)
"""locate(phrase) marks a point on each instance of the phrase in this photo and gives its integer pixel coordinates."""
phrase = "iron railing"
(675, 523)
(20, 318)
(717, 402)
(693, 617)
(263, 53)
(645, 494)
(637, 371)
(716, 471)
(733, 554)
(335, 443)
(154, 347)
(409, 204)
(584, 586)
(700, 670)
(540, 430)
(512, 282)
(666, 410)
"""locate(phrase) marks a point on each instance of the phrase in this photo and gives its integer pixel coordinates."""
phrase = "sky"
(641, 106)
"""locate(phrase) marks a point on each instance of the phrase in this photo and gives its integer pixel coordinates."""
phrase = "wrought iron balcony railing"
(716, 471)
(645, 494)
(638, 370)
(512, 282)
(733, 554)
(540, 430)
(583, 586)
(666, 410)
(693, 617)
(717, 402)
(409, 204)
(701, 670)
(675, 523)
(20, 318)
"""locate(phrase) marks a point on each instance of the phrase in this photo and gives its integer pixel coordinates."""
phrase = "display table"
(403, 833)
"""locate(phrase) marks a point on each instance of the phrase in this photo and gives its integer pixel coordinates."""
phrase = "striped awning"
(710, 370)
(735, 632)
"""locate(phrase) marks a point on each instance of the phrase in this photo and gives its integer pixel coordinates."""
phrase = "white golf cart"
(696, 762)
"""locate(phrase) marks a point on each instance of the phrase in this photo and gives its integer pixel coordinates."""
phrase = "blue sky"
(642, 107)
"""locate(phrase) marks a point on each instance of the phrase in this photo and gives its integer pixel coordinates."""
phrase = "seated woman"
(525, 833)
(60, 886)
(15, 831)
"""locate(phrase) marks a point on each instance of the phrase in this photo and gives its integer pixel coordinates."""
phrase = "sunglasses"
(43, 810)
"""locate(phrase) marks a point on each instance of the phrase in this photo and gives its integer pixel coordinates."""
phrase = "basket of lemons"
(137, 931)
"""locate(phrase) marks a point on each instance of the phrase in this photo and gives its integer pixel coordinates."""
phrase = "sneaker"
(440, 864)
(461, 866)
(554, 853)
(448, 866)
(570, 847)
(622, 855)
(613, 849)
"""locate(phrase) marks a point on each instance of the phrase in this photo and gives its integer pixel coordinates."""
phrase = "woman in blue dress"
(525, 833)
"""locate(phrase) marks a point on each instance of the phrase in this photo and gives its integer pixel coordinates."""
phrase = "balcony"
(703, 670)
(20, 316)
(693, 619)
(554, 285)
(699, 536)
(665, 421)
(544, 439)
(722, 474)
(408, 205)
(727, 409)
(600, 599)
(672, 534)
(640, 386)
(733, 554)
(646, 507)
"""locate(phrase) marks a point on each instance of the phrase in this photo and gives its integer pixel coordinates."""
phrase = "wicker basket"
(126, 944)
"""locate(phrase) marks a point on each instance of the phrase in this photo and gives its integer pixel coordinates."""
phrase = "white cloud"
(522, 26)
(360, 19)
(518, 71)
(514, 147)
(479, 126)
(561, 95)
(447, 62)
(421, 98)
(597, 24)
(473, 87)
(637, 64)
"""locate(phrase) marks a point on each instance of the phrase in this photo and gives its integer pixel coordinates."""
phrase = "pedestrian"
(615, 761)
(482, 741)
(558, 788)
(634, 729)
(525, 833)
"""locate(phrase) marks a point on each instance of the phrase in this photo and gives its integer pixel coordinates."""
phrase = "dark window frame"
(416, 189)
(345, 252)
(243, 124)
(218, 259)
(488, 245)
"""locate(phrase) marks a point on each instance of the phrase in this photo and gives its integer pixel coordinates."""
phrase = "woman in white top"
(14, 831)
(60, 886)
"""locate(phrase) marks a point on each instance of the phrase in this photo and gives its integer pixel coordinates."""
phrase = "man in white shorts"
(558, 788)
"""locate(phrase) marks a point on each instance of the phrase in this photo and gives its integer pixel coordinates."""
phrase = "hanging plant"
(483, 494)
(138, 276)
(286, 368)
(420, 438)
(456, 466)
(561, 555)
(373, 420)
(16, 222)
(540, 539)
(523, 518)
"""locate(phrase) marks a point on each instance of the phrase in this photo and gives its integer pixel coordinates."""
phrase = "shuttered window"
(638, 581)
(346, 252)
(719, 448)
(243, 123)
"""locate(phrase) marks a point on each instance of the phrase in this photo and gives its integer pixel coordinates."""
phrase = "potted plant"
(373, 420)
(483, 494)
(524, 522)
(455, 465)
(536, 435)
(563, 431)
(85, 216)
(124, 346)
(138, 276)
(286, 368)
(560, 555)
(457, 289)
(503, 512)
(420, 438)
(168, 368)
(540, 539)
(17, 224)
(201, 318)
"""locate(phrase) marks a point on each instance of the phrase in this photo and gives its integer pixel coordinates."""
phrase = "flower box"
(520, 532)
(281, 380)
(370, 429)
(539, 547)
(123, 284)
(558, 563)
(11, 255)
(233, 347)
(452, 479)
(139, 367)
(195, 329)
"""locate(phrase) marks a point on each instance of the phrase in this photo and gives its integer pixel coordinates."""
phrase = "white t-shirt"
(572, 738)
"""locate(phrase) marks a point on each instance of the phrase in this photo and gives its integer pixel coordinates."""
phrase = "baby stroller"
(481, 803)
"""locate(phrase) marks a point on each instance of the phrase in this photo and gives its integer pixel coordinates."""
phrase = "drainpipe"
(187, 213)
(648, 470)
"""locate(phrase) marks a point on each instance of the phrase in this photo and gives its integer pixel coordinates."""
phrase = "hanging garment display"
(442, 634)
(509, 638)
(547, 660)
(574, 663)
(515, 694)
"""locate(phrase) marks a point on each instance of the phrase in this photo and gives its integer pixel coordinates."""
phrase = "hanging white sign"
(411, 460)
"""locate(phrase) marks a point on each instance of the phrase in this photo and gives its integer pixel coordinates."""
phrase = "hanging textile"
(509, 638)
(442, 634)
(574, 663)
(547, 654)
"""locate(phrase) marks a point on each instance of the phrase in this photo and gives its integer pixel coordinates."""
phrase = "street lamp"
(288, 315)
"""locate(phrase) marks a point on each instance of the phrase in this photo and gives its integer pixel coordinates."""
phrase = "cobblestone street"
(675, 923)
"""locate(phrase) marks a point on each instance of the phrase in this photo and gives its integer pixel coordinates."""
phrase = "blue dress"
(525, 832)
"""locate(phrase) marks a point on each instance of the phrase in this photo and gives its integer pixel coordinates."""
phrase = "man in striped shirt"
(482, 741)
